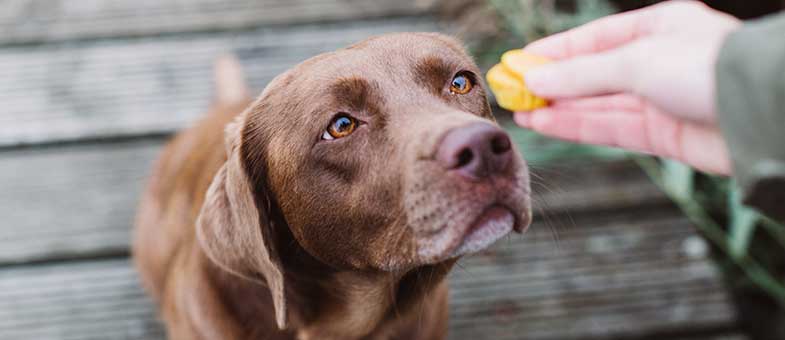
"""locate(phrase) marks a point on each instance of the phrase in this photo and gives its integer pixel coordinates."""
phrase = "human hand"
(642, 80)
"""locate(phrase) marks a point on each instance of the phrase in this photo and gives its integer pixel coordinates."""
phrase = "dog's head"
(381, 156)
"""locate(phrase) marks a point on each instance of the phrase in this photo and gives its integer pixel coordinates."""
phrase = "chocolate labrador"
(334, 205)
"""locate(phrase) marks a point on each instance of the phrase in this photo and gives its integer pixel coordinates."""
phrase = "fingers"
(589, 75)
(705, 149)
(594, 37)
(595, 63)
(615, 30)
(609, 128)
(644, 131)
(615, 102)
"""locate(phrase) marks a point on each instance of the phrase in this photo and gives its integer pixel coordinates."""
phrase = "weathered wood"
(79, 200)
(149, 85)
(92, 300)
(618, 276)
(67, 201)
(34, 21)
(601, 279)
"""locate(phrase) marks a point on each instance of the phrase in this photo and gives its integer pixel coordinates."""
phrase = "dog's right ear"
(234, 233)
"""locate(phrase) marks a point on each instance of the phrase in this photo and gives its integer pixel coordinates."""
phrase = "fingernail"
(522, 119)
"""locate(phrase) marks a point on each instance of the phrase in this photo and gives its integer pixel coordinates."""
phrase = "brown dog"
(333, 205)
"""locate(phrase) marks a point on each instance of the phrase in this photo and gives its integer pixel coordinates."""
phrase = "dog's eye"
(461, 84)
(341, 126)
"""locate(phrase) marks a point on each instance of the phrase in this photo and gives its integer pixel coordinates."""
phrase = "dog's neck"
(351, 306)
(324, 303)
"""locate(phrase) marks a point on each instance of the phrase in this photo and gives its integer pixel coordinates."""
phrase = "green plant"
(711, 202)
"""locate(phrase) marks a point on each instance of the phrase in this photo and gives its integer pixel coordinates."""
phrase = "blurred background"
(622, 247)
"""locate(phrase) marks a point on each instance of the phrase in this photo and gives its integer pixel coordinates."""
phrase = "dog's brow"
(357, 94)
(432, 73)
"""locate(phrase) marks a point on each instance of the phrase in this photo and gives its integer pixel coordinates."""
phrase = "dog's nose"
(475, 151)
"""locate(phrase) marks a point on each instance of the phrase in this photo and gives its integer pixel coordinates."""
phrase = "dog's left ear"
(234, 233)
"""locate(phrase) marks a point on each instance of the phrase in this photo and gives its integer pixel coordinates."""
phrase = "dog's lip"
(493, 212)
(493, 223)
(523, 222)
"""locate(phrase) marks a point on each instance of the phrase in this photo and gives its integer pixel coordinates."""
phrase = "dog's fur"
(265, 231)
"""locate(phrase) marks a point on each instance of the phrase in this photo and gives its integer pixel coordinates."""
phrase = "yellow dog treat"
(506, 80)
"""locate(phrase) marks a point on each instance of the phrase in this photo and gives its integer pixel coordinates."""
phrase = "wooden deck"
(91, 90)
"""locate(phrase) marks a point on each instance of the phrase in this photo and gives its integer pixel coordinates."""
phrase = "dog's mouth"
(493, 224)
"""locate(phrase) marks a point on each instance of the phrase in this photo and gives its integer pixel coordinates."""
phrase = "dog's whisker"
(540, 181)
(547, 219)
(535, 175)
(467, 271)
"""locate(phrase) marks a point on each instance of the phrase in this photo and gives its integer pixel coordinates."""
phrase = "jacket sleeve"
(751, 111)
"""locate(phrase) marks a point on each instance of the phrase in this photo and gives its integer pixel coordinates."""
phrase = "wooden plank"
(149, 85)
(92, 300)
(79, 200)
(619, 276)
(35, 21)
(614, 279)
(73, 200)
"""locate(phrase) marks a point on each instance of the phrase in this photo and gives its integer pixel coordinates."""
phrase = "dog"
(334, 204)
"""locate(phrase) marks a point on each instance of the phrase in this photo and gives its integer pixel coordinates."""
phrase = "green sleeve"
(751, 110)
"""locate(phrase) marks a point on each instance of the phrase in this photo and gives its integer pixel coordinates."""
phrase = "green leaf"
(743, 222)
(677, 179)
